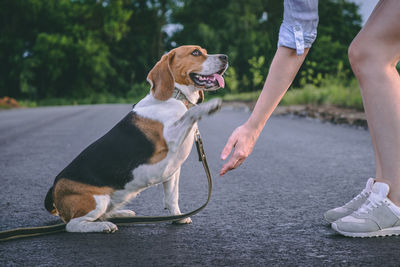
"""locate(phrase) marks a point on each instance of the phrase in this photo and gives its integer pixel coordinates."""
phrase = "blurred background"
(55, 52)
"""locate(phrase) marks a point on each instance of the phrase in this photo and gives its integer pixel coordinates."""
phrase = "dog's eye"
(196, 53)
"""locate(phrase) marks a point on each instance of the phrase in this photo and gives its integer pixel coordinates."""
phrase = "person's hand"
(242, 141)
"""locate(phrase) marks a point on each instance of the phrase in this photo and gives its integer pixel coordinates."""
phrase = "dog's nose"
(223, 58)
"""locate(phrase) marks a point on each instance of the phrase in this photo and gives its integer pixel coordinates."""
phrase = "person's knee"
(367, 57)
(359, 55)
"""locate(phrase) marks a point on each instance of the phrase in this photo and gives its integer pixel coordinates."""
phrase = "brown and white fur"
(149, 145)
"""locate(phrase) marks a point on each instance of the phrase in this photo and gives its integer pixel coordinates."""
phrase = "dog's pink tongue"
(220, 80)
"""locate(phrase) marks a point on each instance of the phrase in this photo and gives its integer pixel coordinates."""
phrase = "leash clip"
(199, 145)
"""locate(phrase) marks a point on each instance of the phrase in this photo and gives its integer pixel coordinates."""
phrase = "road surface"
(267, 212)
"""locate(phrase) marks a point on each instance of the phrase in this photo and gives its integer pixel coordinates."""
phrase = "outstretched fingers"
(238, 155)
(235, 161)
(241, 142)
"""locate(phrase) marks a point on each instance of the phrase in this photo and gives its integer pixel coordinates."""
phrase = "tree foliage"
(77, 48)
(236, 28)
(247, 30)
(339, 23)
(59, 48)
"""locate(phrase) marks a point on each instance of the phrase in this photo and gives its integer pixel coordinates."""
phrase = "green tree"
(248, 30)
(79, 48)
(339, 23)
(143, 45)
(59, 48)
(243, 29)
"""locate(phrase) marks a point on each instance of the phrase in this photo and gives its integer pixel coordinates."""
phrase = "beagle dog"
(147, 147)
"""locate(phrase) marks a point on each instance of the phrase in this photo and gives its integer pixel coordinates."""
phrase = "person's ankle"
(395, 198)
(394, 192)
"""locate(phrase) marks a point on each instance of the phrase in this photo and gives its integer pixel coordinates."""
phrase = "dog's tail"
(49, 202)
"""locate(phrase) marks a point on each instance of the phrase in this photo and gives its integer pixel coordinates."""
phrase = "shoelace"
(363, 193)
(374, 200)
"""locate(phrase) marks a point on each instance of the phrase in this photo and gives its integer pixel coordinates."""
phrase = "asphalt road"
(268, 212)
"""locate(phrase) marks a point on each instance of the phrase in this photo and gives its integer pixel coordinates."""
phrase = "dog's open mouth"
(209, 81)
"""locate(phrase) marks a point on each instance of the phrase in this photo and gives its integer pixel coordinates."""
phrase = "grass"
(98, 99)
(247, 96)
(133, 96)
(331, 92)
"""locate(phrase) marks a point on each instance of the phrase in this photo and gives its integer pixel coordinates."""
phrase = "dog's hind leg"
(80, 205)
(87, 223)
(171, 196)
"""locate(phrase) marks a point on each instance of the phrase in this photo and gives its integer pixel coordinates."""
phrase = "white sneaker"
(351, 206)
(378, 216)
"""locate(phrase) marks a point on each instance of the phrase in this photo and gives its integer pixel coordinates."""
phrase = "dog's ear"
(201, 97)
(161, 78)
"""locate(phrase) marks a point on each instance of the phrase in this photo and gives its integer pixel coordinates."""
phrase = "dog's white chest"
(179, 137)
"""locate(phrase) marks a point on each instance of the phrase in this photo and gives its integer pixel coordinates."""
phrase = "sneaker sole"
(384, 232)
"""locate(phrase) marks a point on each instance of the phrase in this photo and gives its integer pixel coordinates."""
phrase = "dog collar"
(177, 94)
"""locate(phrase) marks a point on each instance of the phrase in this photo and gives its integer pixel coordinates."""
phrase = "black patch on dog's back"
(109, 161)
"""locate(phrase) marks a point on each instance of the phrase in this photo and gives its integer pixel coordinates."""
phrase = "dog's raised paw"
(214, 105)
(207, 108)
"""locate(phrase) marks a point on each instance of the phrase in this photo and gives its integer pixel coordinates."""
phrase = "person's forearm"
(283, 70)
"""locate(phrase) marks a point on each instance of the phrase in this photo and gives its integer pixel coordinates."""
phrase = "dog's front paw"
(85, 227)
(213, 105)
(108, 227)
(183, 221)
(210, 107)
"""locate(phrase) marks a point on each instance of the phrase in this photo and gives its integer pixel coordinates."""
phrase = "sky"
(366, 7)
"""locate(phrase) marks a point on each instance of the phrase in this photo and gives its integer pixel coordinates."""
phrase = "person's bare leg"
(378, 167)
(374, 54)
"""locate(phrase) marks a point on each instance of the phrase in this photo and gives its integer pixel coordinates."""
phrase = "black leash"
(57, 228)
